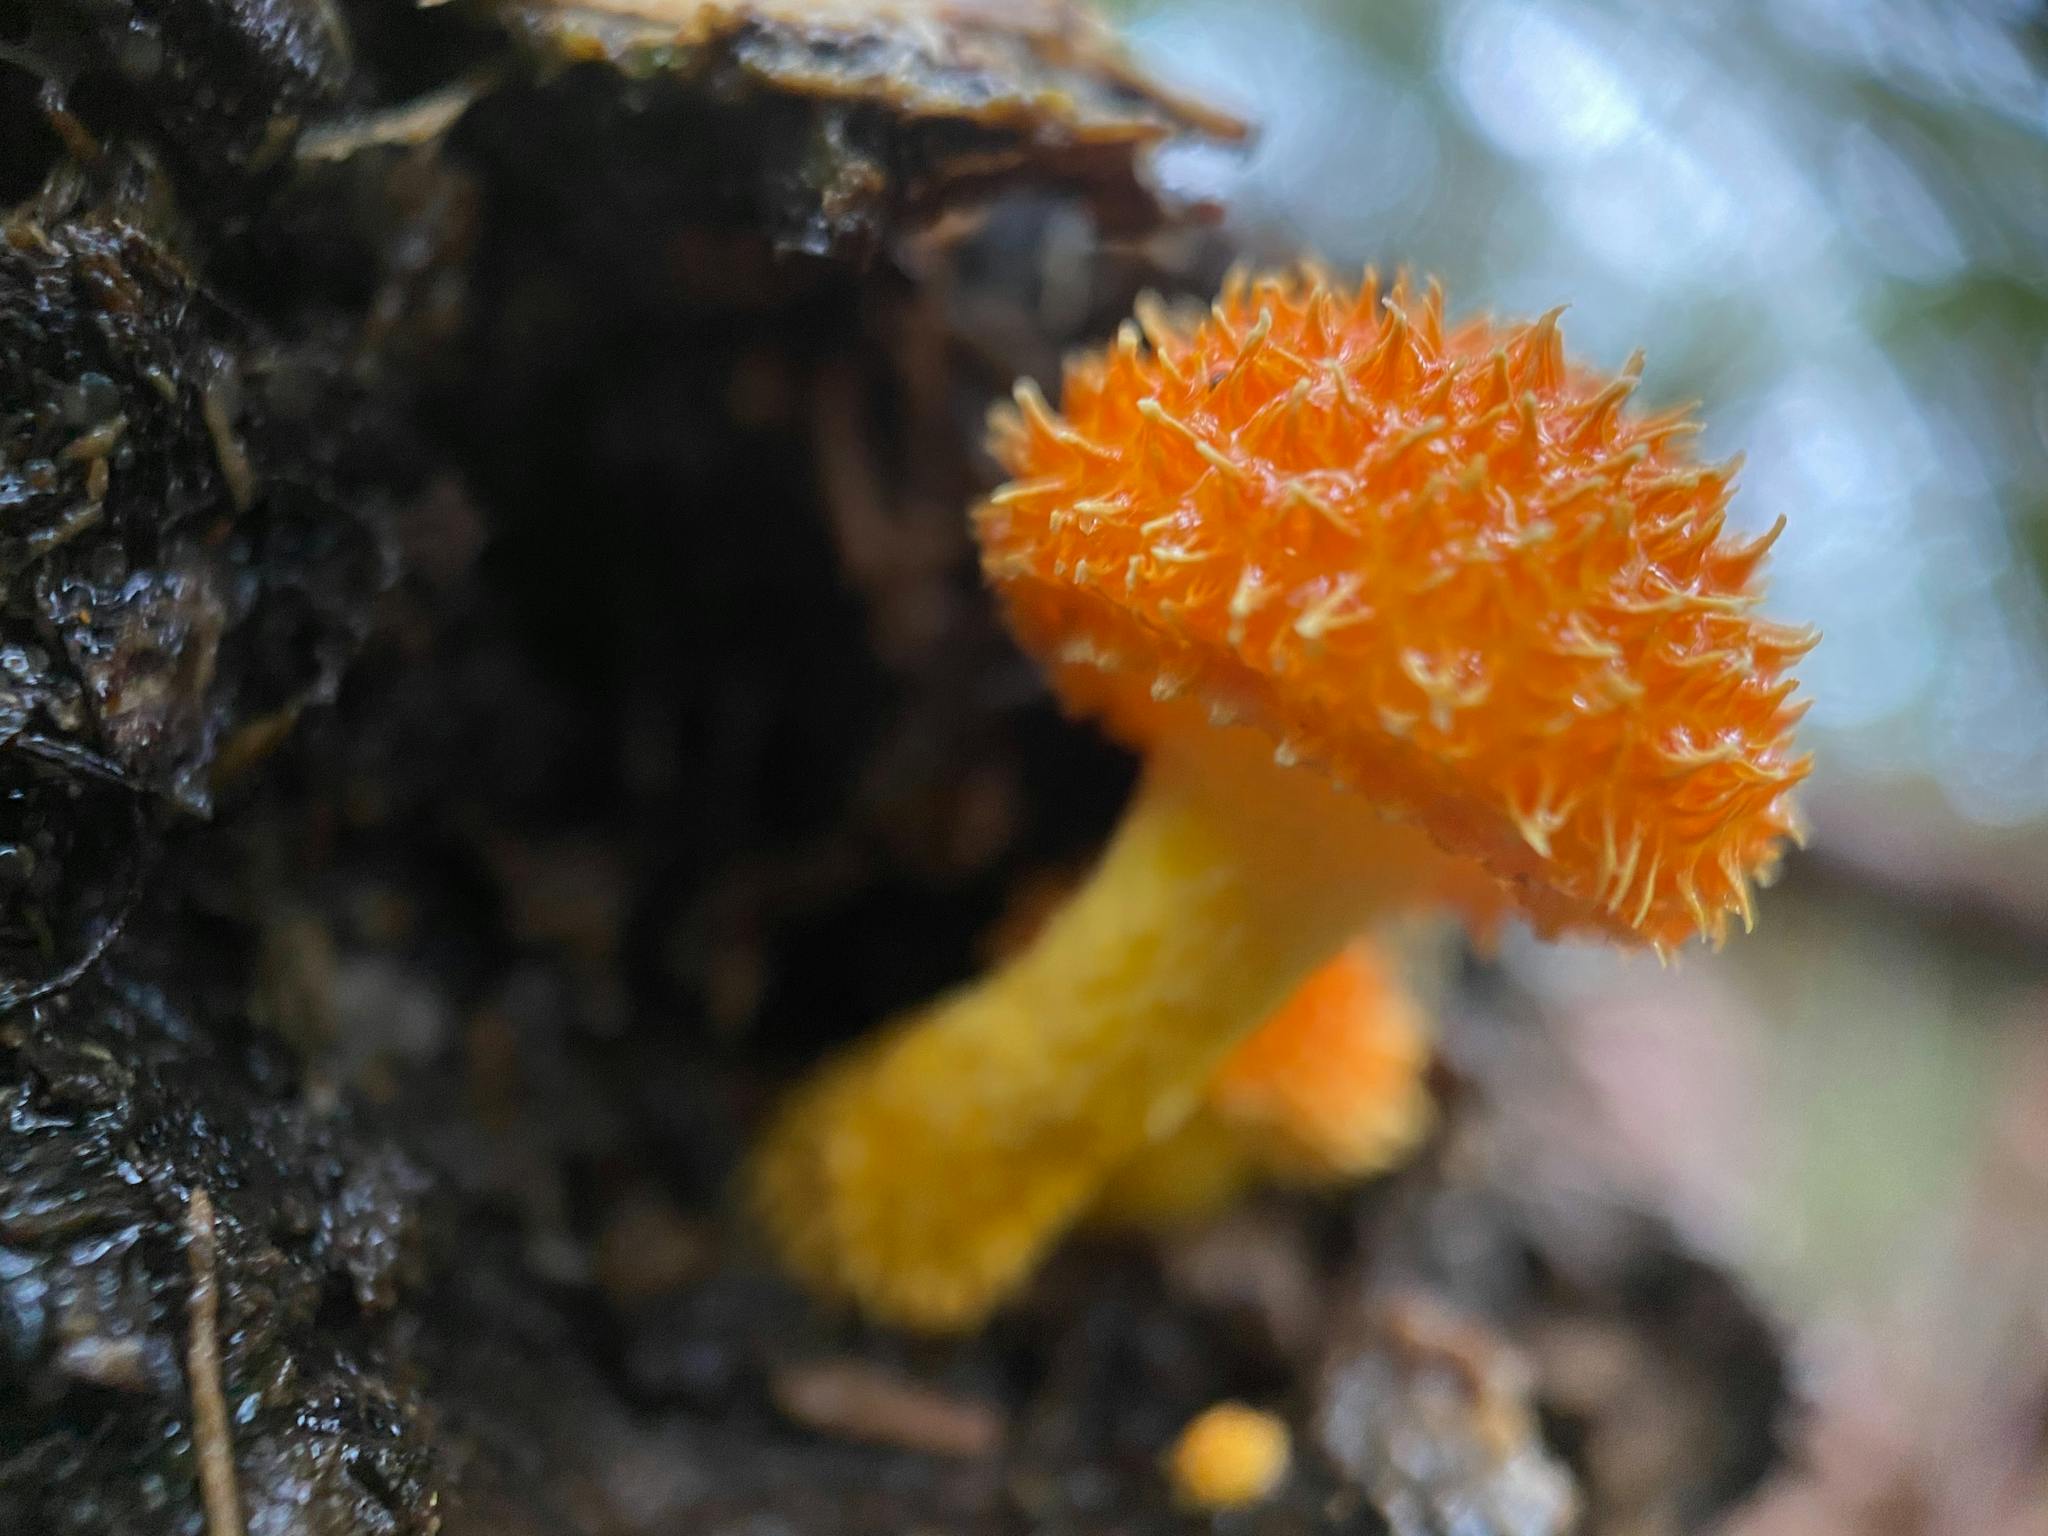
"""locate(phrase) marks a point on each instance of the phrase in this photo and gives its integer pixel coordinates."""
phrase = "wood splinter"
(211, 1441)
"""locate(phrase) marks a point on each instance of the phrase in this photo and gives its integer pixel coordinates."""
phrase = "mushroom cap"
(1445, 566)
(1229, 1456)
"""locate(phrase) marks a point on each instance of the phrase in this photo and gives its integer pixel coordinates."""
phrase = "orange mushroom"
(1331, 1087)
(1326, 561)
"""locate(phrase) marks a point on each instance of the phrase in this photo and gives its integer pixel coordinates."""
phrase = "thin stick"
(210, 1436)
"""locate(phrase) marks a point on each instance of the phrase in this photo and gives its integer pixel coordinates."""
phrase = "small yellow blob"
(1230, 1456)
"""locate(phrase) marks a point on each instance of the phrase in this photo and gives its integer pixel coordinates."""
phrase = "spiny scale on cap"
(1450, 567)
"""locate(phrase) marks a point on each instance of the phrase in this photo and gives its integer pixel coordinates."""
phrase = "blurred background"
(1828, 221)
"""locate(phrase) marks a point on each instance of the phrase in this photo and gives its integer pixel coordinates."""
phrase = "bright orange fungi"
(1331, 1084)
(1446, 564)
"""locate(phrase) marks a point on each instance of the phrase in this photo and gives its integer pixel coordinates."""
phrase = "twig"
(860, 1400)
(210, 1437)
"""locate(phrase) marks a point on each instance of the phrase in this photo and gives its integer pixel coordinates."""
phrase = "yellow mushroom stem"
(1330, 1089)
(925, 1174)
(1201, 1170)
